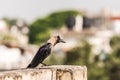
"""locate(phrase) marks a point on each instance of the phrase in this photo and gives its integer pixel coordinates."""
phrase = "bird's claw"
(44, 64)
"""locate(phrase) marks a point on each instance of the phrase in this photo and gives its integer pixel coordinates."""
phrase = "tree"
(115, 42)
(79, 55)
(82, 55)
(41, 28)
(114, 61)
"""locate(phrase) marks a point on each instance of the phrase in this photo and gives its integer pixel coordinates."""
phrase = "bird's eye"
(58, 37)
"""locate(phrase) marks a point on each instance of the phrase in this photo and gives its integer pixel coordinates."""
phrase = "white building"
(3, 26)
(115, 21)
(78, 24)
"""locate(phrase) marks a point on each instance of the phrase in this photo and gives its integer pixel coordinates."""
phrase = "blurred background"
(91, 29)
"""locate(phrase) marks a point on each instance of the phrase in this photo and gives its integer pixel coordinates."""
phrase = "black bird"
(44, 51)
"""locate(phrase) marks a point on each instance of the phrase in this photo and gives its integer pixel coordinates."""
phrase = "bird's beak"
(62, 41)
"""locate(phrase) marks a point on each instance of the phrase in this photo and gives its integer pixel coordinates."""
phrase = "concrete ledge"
(57, 72)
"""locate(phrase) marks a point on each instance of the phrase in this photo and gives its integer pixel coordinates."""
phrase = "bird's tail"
(29, 66)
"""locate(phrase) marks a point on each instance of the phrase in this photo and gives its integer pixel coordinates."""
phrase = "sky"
(30, 10)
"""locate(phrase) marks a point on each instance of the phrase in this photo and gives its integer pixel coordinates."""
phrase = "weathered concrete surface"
(57, 72)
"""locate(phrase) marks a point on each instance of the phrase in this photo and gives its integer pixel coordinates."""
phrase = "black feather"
(42, 53)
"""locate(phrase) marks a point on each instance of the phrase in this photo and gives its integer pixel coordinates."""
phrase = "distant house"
(115, 22)
(94, 22)
(16, 29)
(19, 25)
(80, 23)
(19, 29)
(3, 26)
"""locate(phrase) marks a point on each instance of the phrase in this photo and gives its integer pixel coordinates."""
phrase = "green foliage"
(115, 54)
(111, 66)
(115, 42)
(58, 19)
(55, 59)
(108, 69)
(41, 28)
(97, 73)
(79, 54)
(114, 61)
(7, 38)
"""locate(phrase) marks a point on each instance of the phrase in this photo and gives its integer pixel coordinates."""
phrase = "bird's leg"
(44, 64)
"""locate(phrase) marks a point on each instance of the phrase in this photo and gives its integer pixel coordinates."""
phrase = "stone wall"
(57, 72)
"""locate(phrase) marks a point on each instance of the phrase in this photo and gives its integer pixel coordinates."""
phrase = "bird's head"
(55, 39)
(58, 39)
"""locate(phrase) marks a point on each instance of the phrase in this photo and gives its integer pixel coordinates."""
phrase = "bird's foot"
(44, 64)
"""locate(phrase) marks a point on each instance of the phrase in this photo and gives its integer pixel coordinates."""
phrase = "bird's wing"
(42, 53)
